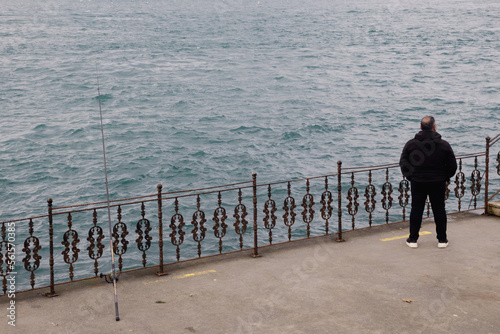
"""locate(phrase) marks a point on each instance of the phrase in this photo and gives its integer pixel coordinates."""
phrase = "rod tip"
(117, 318)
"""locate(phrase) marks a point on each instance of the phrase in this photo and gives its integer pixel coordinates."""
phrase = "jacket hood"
(428, 135)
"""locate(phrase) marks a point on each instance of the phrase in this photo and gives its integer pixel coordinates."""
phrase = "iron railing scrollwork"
(159, 188)
(475, 182)
(240, 223)
(32, 259)
(447, 191)
(177, 234)
(289, 209)
(6, 261)
(96, 247)
(220, 226)
(326, 206)
(143, 228)
(498, 163)
(269, 215)
(70, 243)
(199, 230)
(120, 242)
(387, 198)
(339, 201)
(460, 185)
(404, 197)
(352, 197)
(255, 216)
(370, 194)
(308, 212)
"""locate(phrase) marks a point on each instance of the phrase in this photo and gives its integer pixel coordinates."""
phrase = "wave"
(212, 118)
(319, 128)
(373, 112)
(104, 97)
(249, 129)
(75, 132)
(180, 104)
(290, 136)
(40, 127)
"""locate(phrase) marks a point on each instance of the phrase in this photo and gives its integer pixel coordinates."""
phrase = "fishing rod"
(113, 270)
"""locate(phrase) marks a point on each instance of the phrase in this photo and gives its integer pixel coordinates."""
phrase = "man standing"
(428, 162)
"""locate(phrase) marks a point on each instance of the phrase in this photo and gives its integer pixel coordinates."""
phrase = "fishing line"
(113, 270)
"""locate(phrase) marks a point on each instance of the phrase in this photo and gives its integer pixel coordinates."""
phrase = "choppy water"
(198, 93)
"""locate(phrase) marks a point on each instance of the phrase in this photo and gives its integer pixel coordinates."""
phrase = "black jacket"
(428, 158)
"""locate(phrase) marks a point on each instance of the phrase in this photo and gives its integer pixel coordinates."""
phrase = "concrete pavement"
(371, 283)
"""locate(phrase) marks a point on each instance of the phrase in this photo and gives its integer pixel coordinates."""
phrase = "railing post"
(339, 189)
(487, 175)
(255, 239)
(52, 292)
(160, 231)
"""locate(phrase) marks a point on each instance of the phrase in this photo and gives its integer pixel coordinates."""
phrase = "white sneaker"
(411, 244)
(443, 244)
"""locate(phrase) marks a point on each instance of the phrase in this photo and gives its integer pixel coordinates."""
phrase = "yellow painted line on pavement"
(181, 276)
(404, 236)
(195, 274)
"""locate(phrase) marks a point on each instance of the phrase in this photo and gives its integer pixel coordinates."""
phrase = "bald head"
(428, 123)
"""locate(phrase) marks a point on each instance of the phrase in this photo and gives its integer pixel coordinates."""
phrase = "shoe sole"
(412, 245)
(442, 245)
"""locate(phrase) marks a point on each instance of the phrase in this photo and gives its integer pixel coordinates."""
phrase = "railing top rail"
(102, 202)
(23, 219)
(494, 139)
(100, 207)
(155, 199)
(296, 180)
(207, 188)
(349, 170)
(147, 198)
(191, 194)
(470, 155)
(205, 193)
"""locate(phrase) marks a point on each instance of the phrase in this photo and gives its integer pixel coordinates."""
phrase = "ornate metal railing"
(69, 243)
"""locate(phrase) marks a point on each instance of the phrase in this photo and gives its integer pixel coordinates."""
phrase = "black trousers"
(436, 192)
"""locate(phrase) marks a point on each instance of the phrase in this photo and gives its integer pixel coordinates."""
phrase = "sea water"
(201, 93)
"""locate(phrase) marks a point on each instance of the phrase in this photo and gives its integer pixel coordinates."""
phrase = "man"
(428, 162)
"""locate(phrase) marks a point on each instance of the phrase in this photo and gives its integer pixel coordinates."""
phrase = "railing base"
(255, 255)
(161, 273)
(50, 294)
